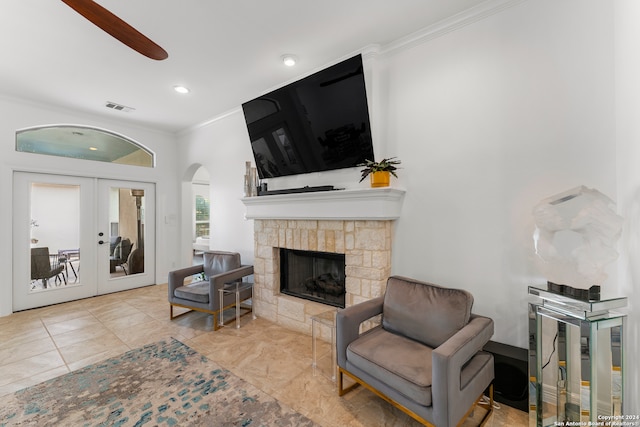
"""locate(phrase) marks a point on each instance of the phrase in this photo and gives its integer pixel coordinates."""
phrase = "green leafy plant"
(388, 165)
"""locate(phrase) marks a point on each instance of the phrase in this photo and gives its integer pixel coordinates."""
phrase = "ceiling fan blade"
(119, 29)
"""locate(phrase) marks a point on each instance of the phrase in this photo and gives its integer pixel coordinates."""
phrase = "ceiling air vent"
(118, 107)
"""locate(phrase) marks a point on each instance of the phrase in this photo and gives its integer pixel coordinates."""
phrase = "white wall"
(494, 117)
(488, 120)
(627, 16)
(18, 114)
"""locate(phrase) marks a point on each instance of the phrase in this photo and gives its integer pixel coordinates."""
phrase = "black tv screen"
(318, 123)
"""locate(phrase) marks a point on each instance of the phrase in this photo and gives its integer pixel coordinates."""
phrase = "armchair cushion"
(409, 305)
(399, 362)
(197, 291)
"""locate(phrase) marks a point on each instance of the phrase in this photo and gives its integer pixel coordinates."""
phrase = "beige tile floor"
(39, 344)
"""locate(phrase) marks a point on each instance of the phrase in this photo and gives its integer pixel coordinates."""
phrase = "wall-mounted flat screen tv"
(318, 123)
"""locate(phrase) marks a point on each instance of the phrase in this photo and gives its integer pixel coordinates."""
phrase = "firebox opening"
(315, 276)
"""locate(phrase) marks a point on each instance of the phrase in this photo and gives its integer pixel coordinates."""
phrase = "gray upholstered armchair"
(425, 357)
(220, 269)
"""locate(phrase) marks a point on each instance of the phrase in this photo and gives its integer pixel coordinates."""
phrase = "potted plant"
(379, 171)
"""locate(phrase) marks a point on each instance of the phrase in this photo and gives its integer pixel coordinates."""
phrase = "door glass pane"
(55, 236)
(126, 231)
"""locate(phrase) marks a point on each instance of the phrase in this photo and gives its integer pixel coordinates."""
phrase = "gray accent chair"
(425, 357)
(220, 269)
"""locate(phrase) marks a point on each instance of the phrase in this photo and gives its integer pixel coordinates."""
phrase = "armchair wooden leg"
(490, 408)
(172, 316)
(358, 381)
(341, 389)
(478, 402)
(216, 326)
(216, 323)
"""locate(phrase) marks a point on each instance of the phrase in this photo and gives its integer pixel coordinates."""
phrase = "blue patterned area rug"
(162, 384)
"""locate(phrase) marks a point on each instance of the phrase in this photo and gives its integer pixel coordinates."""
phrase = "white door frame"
(95, 278)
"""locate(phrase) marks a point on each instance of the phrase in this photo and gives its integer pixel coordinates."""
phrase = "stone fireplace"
(349, 227)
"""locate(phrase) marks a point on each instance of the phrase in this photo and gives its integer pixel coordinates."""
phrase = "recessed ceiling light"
(289, 60)
(93, 149)
(181, 89)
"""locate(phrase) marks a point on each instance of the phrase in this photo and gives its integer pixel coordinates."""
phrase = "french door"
(76, 237)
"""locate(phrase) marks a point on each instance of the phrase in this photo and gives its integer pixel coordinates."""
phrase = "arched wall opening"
(196, 211)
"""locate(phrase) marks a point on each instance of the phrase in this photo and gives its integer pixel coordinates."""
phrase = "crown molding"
(455, 22)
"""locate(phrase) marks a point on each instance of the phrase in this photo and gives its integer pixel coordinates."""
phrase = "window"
(87, 143)
(202, 216)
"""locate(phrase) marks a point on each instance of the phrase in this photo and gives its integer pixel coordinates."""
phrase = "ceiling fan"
(116, 27)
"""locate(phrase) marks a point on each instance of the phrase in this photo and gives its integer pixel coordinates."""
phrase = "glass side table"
(237, 288)
(321, 325)
(576, 359)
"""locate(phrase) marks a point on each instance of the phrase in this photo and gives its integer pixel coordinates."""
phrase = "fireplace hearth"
(312, 275)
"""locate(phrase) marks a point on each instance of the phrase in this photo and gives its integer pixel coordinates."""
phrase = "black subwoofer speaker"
(511, 383)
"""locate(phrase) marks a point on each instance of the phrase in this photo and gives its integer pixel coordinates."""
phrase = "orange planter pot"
(380, 179)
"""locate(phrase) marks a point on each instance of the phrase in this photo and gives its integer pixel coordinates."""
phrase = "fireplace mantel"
(353, 204)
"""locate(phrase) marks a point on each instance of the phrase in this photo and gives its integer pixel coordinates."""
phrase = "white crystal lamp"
(575, 237)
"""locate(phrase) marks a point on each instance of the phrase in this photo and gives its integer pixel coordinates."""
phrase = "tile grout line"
(55, 344)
